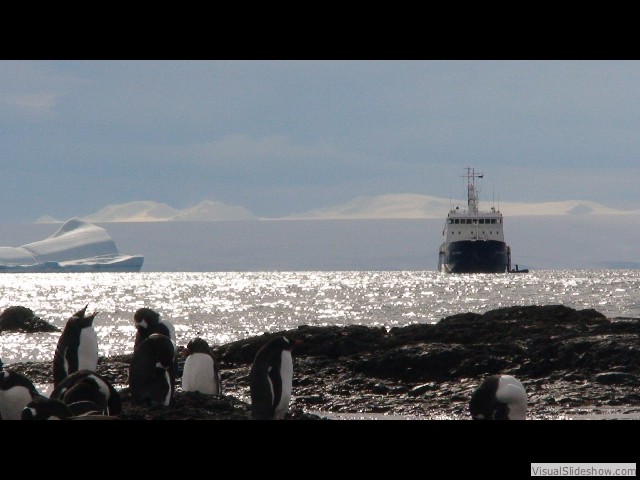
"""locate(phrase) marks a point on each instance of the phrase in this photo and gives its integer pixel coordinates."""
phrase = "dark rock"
(22, 319)
(379, 388)
(616, 378)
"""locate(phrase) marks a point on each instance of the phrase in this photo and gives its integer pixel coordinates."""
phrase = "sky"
(284, 137)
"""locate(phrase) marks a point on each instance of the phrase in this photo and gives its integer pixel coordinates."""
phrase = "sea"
(226, 306)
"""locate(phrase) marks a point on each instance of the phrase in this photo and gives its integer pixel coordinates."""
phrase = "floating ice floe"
(77, 246)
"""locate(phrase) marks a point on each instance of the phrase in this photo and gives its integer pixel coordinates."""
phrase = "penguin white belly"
(198, 374)
(286, 373)
(13, 401)
(512, 392)
(88, 350)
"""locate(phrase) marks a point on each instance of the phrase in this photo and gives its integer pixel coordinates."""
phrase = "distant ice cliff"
(77, 246)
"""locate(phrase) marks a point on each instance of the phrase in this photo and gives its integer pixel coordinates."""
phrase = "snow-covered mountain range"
(391, 206)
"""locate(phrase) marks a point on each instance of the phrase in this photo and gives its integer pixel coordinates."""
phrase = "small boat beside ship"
(474, 239)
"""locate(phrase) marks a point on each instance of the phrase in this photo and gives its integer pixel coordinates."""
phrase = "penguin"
(200, 372)
(43, 408)
(88, 386)
(151, 378)
(147, 322)
(16, 391)
(77, 347)
(271, 379)
(499, 397)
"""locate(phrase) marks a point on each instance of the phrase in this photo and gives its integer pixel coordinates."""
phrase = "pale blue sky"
(284, 137)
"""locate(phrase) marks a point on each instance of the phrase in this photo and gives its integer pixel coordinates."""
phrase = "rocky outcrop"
(22, 319)
(568, 360)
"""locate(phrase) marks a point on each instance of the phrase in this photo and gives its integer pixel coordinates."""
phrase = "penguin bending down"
(86, 386)
(151, 378)
(271, 380)
(147, 322)
(77, 347)
(201, 373)
(499, 397)
(16, 391)
(43, 408)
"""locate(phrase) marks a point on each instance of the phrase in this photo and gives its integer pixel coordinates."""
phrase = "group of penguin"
(79, 393)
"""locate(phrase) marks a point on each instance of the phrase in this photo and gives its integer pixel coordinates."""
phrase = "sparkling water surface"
(227, 306)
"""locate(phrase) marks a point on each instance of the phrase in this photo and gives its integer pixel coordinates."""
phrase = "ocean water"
(227, 306)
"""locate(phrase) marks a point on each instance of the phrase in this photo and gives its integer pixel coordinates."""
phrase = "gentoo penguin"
(499, 397)
(270, 380)
(147, 322)
(151, 377)
(16, 391)
(43, 408)
(87, 386)
(77, 347)
(200, 372)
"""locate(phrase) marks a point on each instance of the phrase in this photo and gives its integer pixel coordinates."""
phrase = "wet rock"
(380, 388)
(22, 319)
(616, 378)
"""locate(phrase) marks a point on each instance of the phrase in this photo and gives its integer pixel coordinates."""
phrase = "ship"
(474, 239)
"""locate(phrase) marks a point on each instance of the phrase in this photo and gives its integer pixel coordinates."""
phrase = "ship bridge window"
(493, 220)
(457, 221)
(481, 221)
(451, 220)
(468, 220)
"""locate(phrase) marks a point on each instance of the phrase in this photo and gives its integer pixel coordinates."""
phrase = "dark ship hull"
(474, 256)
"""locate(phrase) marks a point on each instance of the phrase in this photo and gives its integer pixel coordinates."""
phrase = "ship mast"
(472, 194)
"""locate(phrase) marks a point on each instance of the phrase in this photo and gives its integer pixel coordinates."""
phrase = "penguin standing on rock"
(16, 391)
(200, 373)
(271, 380)
(151, 378)
(499, 397)
(86, 391)
(147, 322)
(77, 347)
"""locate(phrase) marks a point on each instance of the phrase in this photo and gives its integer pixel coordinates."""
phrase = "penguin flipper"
(71, 355)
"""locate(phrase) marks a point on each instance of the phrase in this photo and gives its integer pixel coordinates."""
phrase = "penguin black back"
(16, 391)
(151, 378)
(271, 380)
(43, 408)
(88, 386)
(77, 347)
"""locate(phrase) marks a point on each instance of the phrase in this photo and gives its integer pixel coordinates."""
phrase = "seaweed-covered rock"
(22, 319)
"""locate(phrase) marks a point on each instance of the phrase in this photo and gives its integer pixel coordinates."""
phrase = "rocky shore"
(573, 364)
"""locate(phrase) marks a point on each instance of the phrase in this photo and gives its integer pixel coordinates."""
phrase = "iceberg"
(77, 246)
